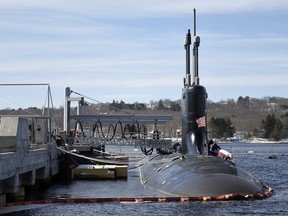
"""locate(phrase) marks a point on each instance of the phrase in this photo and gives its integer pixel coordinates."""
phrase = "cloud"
(126, 44)
(144, 7)
(246, 80)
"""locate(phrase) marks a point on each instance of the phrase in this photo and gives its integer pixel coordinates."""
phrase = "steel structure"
(135, 139)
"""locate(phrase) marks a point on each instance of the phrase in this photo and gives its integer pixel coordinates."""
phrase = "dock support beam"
(66, 123)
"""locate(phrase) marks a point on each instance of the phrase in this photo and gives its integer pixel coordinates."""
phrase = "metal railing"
(96, 141)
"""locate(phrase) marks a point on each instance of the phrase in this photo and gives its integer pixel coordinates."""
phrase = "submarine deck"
(198, 176)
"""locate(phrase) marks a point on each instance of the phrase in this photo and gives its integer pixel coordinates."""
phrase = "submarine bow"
(192, 171)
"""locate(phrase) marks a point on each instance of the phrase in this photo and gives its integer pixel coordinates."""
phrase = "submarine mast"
(193, 103)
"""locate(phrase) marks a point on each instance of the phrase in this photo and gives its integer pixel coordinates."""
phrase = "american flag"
(201, 122)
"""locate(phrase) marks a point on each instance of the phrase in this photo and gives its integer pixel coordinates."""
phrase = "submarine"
(192, 171)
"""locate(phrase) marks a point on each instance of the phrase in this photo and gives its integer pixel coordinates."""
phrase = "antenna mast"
(187, 43)
(194, 11)
(195, 53)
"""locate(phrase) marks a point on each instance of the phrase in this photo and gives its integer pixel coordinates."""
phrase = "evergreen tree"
(273, 127)
(222, 127)
(160, 105)
(174, 106)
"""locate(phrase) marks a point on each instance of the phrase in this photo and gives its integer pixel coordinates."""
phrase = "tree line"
(266, 117)
(252, 117)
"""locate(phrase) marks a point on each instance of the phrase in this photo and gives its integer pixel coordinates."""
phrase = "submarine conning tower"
(193, 103)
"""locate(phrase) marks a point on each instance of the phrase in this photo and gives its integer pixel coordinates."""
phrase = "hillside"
(246, 114)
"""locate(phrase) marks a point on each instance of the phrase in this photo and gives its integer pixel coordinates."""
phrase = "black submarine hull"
(196, 170)
(197, 176)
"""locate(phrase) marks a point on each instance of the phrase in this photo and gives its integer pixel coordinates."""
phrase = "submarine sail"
(192, 171)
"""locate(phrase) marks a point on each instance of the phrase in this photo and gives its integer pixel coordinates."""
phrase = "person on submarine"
(215, 150)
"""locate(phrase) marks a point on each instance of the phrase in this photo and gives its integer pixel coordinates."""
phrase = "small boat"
(85, 171)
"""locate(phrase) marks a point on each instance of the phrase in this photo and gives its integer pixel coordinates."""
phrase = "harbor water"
(266, 162)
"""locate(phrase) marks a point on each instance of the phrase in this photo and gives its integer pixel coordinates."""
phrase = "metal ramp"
(126, 129)
(96, 141)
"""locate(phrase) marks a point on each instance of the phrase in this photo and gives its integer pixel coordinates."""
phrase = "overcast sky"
(132, 50)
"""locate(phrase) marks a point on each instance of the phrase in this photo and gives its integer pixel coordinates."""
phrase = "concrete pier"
(26, 154)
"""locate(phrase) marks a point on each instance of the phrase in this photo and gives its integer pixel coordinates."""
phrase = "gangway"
(96, 141)
(111, 129)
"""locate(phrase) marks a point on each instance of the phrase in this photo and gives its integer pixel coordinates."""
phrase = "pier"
(30, 146)
(27, 157)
